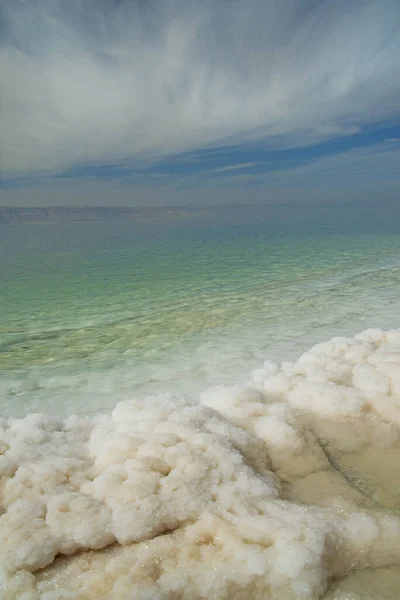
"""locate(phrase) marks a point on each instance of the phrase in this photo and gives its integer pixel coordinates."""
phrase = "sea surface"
(143, 476)
(96, 312)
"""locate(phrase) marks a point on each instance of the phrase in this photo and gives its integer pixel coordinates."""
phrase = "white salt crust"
(287, 487)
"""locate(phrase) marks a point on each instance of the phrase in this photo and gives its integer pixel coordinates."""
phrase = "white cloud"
(131, 80)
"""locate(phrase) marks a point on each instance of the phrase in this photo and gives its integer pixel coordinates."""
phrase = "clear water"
(91, 313)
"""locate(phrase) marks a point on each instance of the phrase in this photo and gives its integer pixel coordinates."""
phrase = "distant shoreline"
(57, 214)
(77, 214)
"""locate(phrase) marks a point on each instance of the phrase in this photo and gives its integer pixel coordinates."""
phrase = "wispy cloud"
(369, 173)
(107, 81)
(360, 167)
(238, 167)
(371, 164)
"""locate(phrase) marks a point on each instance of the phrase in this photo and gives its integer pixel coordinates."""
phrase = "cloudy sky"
(142, 102)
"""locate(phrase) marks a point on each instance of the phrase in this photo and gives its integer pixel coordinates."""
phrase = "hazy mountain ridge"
(51, 214)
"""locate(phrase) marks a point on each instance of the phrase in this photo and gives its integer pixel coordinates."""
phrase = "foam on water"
(286, 487)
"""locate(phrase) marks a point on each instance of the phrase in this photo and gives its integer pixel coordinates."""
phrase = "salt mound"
(285, 488)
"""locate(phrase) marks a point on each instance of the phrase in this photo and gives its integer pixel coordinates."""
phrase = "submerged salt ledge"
(285, 488)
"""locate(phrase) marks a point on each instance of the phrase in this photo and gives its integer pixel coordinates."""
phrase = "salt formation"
(285, 488)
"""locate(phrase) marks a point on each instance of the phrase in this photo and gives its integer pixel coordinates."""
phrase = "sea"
(95, 312)
(202, 406)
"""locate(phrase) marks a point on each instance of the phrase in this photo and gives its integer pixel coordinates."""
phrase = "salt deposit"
(287, 487)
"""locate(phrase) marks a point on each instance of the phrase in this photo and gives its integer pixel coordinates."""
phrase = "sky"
(143, 102)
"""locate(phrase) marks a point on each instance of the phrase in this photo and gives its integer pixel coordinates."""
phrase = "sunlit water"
(92, 313)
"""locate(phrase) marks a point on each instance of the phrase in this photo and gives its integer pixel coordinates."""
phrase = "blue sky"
(194, 102)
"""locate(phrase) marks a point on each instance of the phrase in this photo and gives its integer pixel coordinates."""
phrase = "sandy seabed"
(287, 488)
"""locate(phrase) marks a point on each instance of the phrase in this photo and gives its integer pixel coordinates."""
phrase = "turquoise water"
(92, 313)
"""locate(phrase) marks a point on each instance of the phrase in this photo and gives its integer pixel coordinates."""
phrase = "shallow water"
(93, 312)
